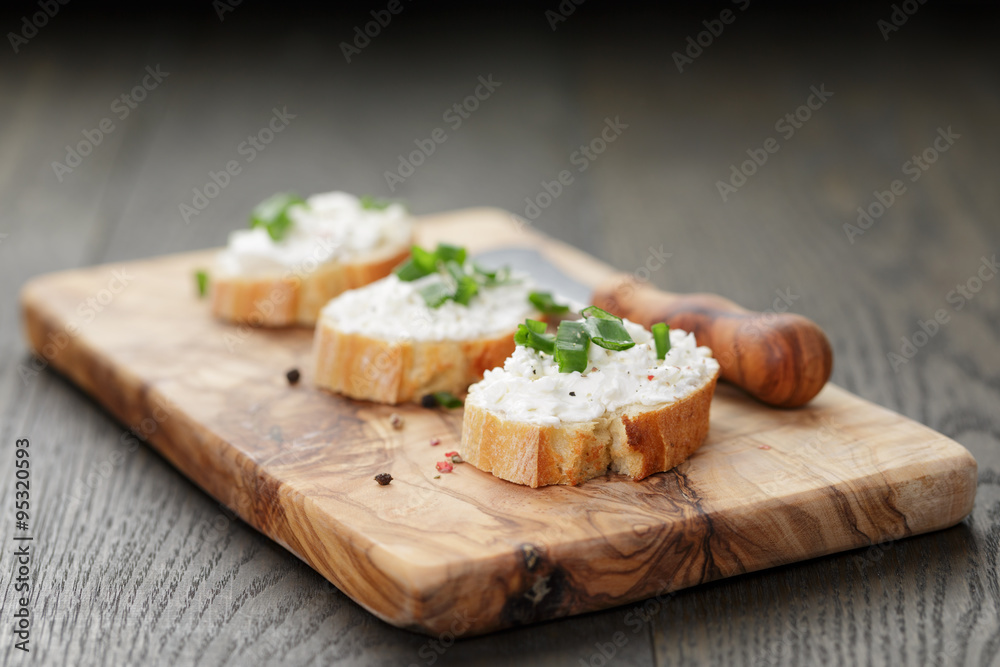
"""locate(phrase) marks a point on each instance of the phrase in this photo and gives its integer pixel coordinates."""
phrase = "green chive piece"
(572, 344)
(201, 279)
(409, 271)
(421, 263)
(447, 399)
(425, 259)
(462, 281)
(544, 302)
(661, 335)
(272, 214)
(436, 294)
(609, 334)
(372, 203)
(532, 334)
(487, 275)
(467, 288)
(450, 253)
(598, 313)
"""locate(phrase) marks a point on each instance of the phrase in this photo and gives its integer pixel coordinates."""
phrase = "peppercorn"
(293, 376)
(383, 478)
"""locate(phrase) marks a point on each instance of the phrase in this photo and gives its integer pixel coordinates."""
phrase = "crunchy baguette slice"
(637, 441)
(394, 372)
(277, 300)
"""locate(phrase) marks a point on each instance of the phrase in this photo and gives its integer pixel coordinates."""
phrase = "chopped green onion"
(532, 334)
(572, 344)
(487, 275)
(606, 329)
(466, 289)
(371, 203)
(609, 334)
(201, 278)
(461, 284)
(450, 253)
(447, 399)
(492, 278)
(425, 259)
(661, 334)
(544, 302)
(598, 313)
(421, 263)
(409, 271)
(436, 294)
(272, 214)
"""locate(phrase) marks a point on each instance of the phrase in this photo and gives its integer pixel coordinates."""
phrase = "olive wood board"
(467, 551)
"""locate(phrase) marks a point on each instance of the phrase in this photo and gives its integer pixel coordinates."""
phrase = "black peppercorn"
(293, 376)
(383, 478)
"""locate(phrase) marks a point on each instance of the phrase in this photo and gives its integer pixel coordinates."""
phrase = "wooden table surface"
(125, 571)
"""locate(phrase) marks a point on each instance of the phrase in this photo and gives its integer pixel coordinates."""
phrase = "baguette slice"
(392, 372)
(277, 300)
(637, 441)
(386, 343)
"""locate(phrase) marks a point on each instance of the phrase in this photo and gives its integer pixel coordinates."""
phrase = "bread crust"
(394, 372)
(279, 300)
(638, 441)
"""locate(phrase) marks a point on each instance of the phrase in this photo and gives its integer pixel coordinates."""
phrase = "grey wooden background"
(124, 575)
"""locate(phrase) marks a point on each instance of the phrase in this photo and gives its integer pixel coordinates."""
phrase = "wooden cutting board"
(466, 552)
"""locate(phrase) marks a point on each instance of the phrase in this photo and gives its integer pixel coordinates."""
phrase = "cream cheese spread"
(529, 388)
(333, 226)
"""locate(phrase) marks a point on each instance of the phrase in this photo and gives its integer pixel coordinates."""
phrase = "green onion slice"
(598, 313)
(608, 334)
(447, 399)
(661, 335)
(201, 279)
(572, 345)
(545, 303)
(532, 334)
(372, 203)
(272, 214)
(606, 329)
(436, 294)
(450, 253)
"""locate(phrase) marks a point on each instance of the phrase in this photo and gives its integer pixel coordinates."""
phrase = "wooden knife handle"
(782, 359)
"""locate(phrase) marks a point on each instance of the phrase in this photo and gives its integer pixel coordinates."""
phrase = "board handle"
(782, 359)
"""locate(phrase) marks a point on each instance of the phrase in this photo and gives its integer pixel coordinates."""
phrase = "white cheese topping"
(529, 388)
(391, 309)
(331, 226)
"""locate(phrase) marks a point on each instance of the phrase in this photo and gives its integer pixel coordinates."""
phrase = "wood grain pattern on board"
(769, 486)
